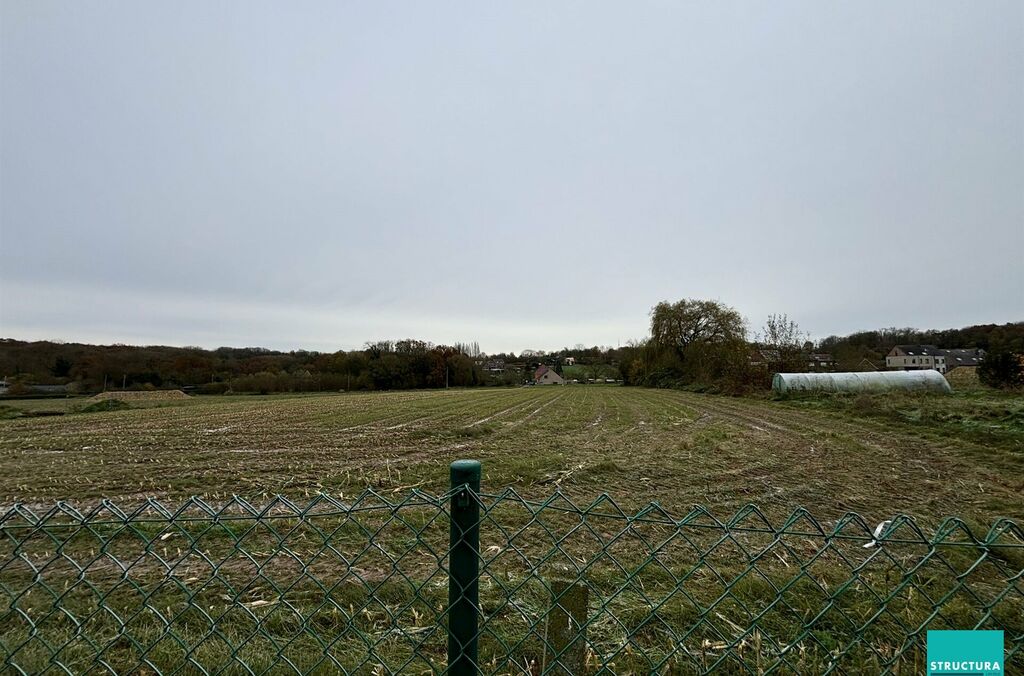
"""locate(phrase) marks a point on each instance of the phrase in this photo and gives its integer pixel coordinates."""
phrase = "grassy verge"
(991, 417)
(364, 589)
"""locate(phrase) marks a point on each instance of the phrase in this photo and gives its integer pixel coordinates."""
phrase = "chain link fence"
(387, 583)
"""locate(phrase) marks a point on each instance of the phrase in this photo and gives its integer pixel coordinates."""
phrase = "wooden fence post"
(565, 633)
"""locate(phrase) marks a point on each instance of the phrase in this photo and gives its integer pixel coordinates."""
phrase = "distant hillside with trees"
(380, 365)
(851, 351)
(697, 344)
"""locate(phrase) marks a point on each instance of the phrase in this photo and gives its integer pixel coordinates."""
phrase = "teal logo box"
(965, 653)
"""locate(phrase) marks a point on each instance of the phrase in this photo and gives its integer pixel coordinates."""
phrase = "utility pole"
(446, 376)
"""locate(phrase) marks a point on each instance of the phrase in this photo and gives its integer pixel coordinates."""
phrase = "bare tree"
(782, 343)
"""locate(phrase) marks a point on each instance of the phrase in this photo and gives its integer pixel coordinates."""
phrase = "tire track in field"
(455, 416)
(796, 460)
(514, 407)
(444, 414)
(410, 450)
(439, 408)
(899, 446)
(445, 410)
(812, 434)
(654, 411)
(609, 429)
(426, 437)
(757, 420)
(902, 451)
(677, 413)
(535, 411)
(687, 414)
(768, 418)
(393, 407)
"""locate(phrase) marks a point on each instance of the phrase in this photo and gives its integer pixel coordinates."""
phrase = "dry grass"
(964, 377)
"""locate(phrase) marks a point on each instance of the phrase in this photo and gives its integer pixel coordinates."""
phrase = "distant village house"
(546, 376)
(929, 357)
(820, 361)
(772, 360)
(494, 365)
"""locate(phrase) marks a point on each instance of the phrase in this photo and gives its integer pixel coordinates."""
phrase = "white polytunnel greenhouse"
(870, 381)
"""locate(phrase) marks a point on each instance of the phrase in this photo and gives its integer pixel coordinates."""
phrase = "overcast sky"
(528, 175)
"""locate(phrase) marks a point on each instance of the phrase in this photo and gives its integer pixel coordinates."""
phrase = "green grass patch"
(988, 417)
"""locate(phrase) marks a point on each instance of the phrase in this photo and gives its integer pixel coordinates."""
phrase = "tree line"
(382, 365)
(695, 344)
(379, 365)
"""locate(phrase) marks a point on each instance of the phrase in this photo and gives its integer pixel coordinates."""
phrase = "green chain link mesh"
(361, 587)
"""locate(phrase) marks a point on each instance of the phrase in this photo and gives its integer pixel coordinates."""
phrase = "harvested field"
(638, 445)
(268, 589)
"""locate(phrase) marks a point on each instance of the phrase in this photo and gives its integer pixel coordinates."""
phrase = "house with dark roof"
(929, 357)
(820, 362)
(965, 357)
(493, 365)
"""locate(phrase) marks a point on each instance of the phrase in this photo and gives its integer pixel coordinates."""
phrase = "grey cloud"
(528, 174)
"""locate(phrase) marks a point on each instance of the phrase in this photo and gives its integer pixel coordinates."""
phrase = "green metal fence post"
(464, 569)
